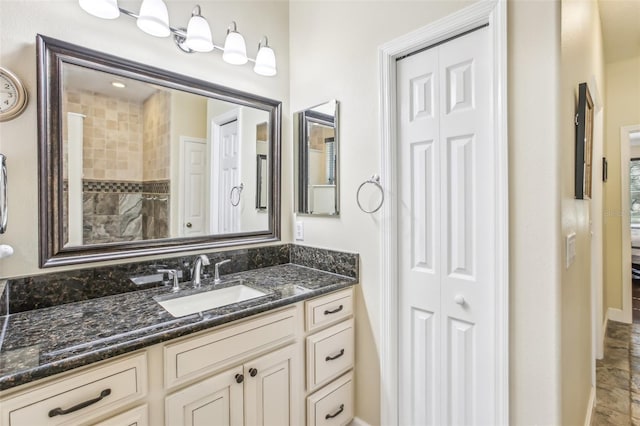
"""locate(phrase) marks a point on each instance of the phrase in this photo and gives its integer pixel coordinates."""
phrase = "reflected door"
(229, 198)
(194, 187)
(446, 241)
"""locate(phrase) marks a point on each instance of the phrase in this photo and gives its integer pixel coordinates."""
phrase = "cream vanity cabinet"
(330, 350)
(261, 370)
(254, 390)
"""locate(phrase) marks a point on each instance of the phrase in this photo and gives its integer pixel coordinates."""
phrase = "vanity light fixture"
(198, 36)
(153, 19)
(235, 49)
(265, 60)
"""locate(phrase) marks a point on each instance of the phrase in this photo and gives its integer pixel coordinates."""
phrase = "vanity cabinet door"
(213, 401)
(269, 388)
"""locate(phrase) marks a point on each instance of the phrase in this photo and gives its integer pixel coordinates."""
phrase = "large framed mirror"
(136, 160)
(317, 183)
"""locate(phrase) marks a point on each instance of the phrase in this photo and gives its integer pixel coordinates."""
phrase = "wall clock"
(13, 95)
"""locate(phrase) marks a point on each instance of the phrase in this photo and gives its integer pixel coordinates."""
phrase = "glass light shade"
(154, 18)
(199, 35)
(106, 9)
(265, 62)
(235, 49)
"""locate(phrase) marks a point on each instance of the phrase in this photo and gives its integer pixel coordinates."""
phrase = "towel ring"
(374, 180)
(237, 189)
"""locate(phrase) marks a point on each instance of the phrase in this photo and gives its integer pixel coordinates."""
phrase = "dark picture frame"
(584, 143)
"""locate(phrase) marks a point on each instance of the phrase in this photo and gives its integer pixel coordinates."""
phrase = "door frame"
(626, 313)
(493, 13)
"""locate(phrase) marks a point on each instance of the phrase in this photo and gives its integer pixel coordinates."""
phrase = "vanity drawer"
(83, 395)
(138, 416)
(329, 309)
(329, 354)
(198, 356)
(333, 404)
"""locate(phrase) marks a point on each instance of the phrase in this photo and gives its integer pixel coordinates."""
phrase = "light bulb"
(154, 18)
(105, 9)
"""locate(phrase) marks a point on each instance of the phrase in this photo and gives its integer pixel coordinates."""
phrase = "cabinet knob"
(189, 225)
(239, 378)
(253, 372)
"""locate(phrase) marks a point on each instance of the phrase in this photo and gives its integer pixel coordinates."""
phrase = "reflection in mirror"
(149, 159)
(317, 173)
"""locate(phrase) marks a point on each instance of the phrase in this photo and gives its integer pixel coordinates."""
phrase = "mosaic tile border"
(156, 187)
(110, 186)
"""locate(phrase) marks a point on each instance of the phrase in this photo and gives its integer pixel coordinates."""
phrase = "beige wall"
(156, 136)
(20, 21)
(581, 61)
(534, 206)
(112, 133)
(622, 108)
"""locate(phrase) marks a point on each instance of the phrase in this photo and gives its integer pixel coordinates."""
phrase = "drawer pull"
(331, 358)
(253, 372)
(60, 412)
(335, 311)
(336, 414)
(239, 378)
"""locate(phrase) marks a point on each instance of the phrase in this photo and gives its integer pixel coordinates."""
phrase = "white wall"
(20, 21)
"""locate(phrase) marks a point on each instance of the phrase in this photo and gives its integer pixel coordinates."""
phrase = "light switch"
(299, 231)
(571, 249)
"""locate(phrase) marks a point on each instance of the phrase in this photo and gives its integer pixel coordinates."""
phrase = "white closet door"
(229, 215)
(446, 242)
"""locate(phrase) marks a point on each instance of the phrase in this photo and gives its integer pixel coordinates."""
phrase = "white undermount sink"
(179, 306)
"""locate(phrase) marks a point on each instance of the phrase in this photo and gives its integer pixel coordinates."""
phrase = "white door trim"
(626, 314)
(492, 12)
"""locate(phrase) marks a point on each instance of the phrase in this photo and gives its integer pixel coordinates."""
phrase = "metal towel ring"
(375, 180)
(237, 189)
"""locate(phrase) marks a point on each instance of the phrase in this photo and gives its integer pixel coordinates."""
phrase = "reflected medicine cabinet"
(317, 173)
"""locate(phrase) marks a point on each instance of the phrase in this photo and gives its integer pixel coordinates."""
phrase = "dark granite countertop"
(43, 342)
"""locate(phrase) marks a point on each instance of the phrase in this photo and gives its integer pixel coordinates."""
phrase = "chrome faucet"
(196, 270)
(173, 274)
(217, 279)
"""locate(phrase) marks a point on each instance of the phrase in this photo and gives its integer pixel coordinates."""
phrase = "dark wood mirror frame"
(51, 55)
(584, 143)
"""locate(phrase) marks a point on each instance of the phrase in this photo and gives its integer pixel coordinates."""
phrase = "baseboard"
(590, 406)
(614, 314)
(358, 422)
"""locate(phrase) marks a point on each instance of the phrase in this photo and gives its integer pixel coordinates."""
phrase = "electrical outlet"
(299, 231)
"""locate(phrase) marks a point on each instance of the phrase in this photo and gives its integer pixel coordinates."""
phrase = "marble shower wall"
(112, 212)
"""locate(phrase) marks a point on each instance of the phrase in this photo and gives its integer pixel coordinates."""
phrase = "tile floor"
(618, 377)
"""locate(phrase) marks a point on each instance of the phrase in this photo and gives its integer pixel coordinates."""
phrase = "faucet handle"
(173, 274)
(217, 279)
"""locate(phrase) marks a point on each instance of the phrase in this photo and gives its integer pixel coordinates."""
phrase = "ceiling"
(620, 29)
(80, 78)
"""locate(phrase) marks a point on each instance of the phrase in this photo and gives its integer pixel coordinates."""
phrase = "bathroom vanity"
(283, 358)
